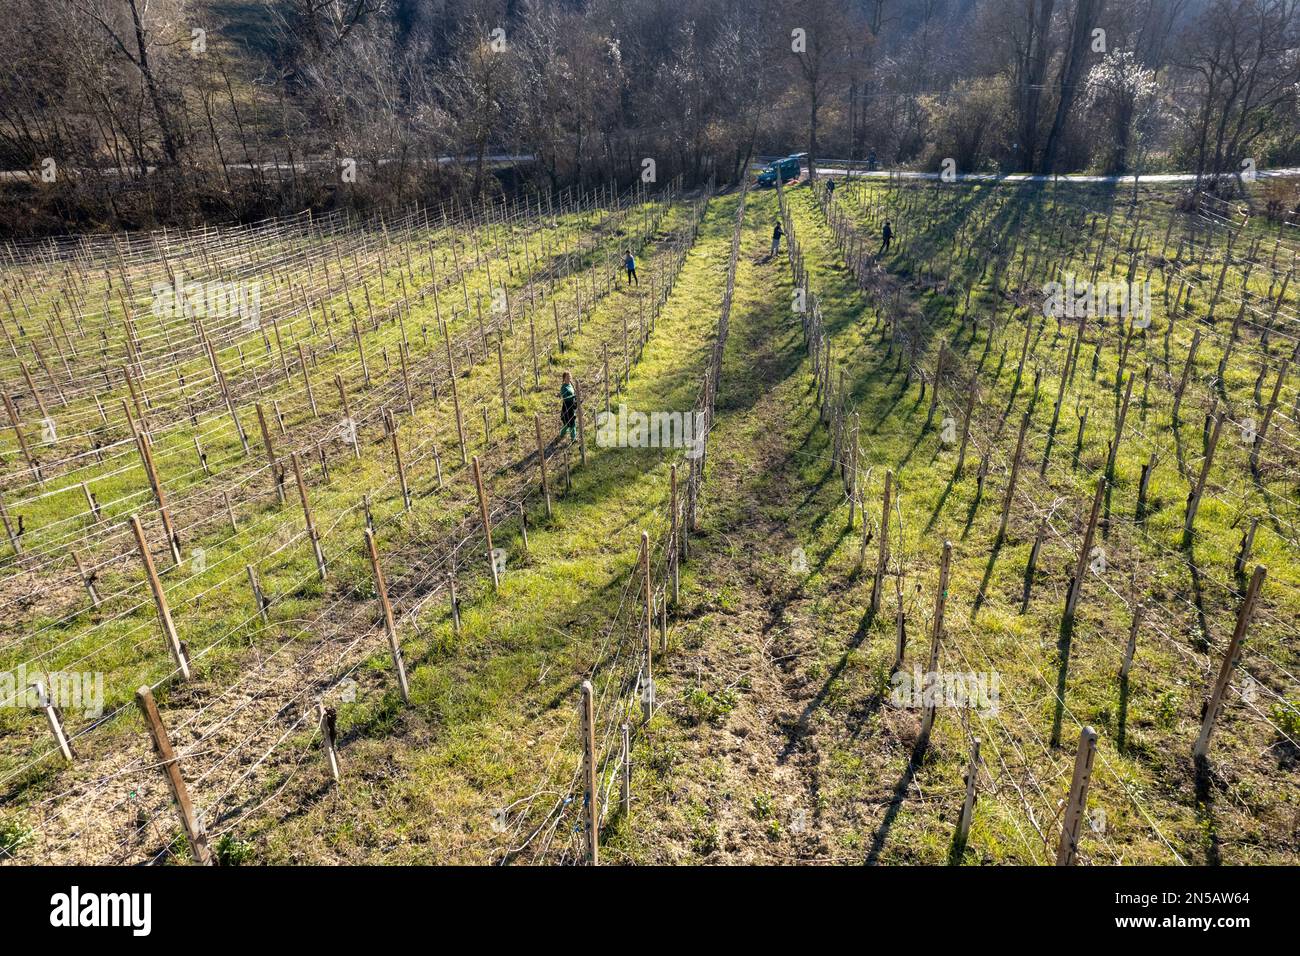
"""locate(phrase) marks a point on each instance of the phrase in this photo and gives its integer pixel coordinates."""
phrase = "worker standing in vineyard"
(886, 237)
(568, 408)
(776, 239)
(629, 263)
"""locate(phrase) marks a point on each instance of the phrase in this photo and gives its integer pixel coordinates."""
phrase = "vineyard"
(302, 566)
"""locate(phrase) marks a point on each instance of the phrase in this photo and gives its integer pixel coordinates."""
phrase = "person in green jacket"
(568, 408)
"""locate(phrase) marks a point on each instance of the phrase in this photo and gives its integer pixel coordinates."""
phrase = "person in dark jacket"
(886, 237)
(776, 239)
(568, 408)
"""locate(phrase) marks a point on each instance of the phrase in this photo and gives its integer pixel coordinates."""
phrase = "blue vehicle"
(788, 169)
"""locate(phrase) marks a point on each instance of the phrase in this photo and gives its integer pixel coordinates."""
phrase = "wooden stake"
(145, 446)
(1015, 472)
(1032, 563)
(674, 551)
(1081, 566)
(455, 603)
(1247, 543)
(15, 541)
(390, 628)
(88, 579)
(325, 719)
(487, 521)
(455, 397)
(647, 695)
(277, 476)
(55, 720)
(22, 441)
(625, 791)
(171, 767)
(1077, 802)
(1215, 704)
(968, 805)
(401, 469)
(160, 601)
(936, 635)
(259, 598)
(591, 799)
(347, 416)
(1187, 372)
(1194, 499)
(306, 381)
(541, 462)
(877, 585)
(306, 512)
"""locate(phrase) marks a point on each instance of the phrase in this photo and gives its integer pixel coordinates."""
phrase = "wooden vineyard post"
(647, 590)
(390, 628)
(1187, 373)
(487, 521)
(1194, 499)
(1032, 563)
(965, 430)
(1215, 704)
(87, 578)
(171, 768)
(1015, 473)
(1243, 554)
(501, 371)
(22, 441)
(14, 541)
(306, 381)
(625, 789)
(406, 380)
(647, 686)
(306, 512)
(968, 805)
(454, 601)
(1258, 443)
(259, 598)
(348, 422)
(591, 797)
(325, 721)
(1077, 802)
(877, 584)
(674, 549)
(455, 397)
(934, 392)
(853, 470)
(541, 462)
(1130, 648)
(160, 601)
(582, 431)
(401, 469)
(277, 476)
(230, 511)
(1119, 430)
(55, 720)
(1143, 483)
(1080, 568)
(931, 685)
(145, 447)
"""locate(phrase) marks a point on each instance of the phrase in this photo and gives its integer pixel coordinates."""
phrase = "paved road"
(1039, 178)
